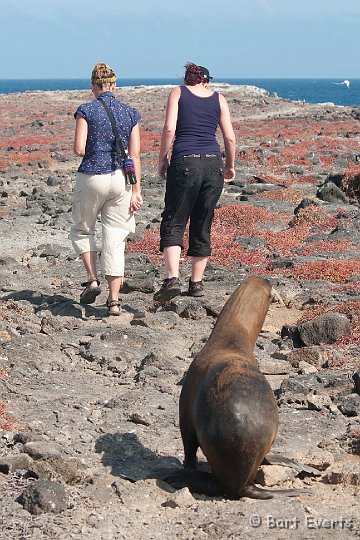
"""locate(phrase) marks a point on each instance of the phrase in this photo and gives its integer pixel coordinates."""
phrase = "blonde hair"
(102, 74)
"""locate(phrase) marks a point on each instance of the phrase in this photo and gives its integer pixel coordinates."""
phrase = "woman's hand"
(229, 174)
(162, 168)
(136, 201)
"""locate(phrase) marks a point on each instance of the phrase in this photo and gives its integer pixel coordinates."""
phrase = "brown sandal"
(113, 303)
(89, 294)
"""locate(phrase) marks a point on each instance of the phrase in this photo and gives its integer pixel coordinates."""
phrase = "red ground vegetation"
(274, 144)
(236, 221)
(286, 179)
(314, 215)
(290, 195)
(150, 141)
(228, 252)
(350, 308)
(244, 218)
(148, 245)
(7, 421)
(353, 286)
(27, 141)
(328, 246)
(289, 129)
(354, 433)
(44, 129)
(332, 270)
(229, 223)
(282, 242)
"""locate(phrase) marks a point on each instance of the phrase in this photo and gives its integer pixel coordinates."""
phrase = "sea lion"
(227, 407)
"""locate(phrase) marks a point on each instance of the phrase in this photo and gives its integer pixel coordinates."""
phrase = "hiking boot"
(169, 288)
(196, 288)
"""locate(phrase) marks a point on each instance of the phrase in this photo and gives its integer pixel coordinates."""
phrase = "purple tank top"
(198, 119)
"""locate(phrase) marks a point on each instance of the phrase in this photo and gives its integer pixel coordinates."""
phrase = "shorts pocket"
(177, 185)
(217, 174)
(180, 167)
(218, 168)
(177, 176)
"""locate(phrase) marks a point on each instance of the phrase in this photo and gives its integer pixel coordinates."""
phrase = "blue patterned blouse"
(100, 155)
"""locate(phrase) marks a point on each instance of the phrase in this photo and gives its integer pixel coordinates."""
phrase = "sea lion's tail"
(255, 492)
(204, 483)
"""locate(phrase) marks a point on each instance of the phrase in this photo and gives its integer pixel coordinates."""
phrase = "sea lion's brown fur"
(227, 406)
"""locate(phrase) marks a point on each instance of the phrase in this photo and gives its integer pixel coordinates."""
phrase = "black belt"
(201, 155)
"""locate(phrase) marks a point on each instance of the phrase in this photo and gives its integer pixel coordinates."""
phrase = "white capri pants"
(107, 195)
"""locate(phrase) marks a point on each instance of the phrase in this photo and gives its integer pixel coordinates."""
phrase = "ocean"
(337, 91)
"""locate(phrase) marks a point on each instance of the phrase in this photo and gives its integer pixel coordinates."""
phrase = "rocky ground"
(89, 403)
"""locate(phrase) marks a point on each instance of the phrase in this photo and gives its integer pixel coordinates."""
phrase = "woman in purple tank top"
(194, 175)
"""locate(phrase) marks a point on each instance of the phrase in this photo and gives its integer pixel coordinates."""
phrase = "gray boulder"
(44, 496)
(332, 194)
(350, 405)
(324, 329)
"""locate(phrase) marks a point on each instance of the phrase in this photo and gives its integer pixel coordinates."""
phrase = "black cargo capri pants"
(193, 187)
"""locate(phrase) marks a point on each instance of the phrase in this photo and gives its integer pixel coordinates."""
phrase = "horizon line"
(172, 78)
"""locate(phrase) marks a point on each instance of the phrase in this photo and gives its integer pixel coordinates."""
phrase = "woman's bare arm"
(81, 132)
(134, 151)
(168, 132)
(229, 139)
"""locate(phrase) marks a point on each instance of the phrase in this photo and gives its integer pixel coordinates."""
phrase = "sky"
(155, 38)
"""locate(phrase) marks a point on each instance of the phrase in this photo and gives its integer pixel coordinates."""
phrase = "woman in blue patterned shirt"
(101, 187)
